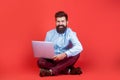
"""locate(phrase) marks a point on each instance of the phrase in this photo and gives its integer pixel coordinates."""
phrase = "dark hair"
(61, 14)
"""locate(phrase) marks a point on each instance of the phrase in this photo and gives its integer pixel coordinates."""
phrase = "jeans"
(58, 67)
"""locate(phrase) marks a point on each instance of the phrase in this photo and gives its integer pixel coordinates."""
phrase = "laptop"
(43, 49)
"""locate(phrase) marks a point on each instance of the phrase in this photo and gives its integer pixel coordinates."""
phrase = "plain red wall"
(97, 23)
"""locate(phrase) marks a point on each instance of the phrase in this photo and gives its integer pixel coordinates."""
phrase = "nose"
(60, 23)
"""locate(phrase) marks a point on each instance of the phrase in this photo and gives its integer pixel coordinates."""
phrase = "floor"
(93, 74)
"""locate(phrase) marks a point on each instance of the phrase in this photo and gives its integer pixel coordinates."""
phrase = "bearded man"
(67, 48)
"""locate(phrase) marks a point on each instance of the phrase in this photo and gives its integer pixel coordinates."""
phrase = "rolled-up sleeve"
(77, 47)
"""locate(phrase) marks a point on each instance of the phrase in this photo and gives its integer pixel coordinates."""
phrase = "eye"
(58, 21)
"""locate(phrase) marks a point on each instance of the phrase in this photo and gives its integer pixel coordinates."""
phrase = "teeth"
(61, 27)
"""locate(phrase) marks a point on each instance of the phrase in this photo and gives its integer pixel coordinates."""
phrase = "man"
(67, 49)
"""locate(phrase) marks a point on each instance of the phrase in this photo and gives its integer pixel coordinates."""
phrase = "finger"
(56, 59)
(54, 56)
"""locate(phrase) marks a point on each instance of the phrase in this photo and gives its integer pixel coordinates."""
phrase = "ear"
(67, 22)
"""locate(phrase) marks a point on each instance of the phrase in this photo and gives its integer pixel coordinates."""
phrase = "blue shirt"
(64, 43)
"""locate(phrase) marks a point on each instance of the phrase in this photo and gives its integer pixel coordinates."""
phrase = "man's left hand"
(59, 57)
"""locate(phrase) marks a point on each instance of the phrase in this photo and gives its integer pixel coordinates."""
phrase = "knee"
(40, 62)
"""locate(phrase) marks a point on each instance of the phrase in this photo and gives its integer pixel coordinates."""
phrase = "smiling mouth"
(60, 27)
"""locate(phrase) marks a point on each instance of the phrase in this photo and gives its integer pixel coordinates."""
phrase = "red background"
(97, 23)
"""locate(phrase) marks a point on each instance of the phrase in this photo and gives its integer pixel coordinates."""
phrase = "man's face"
(61, 24)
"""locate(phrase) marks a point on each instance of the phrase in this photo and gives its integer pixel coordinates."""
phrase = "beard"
(61, 29)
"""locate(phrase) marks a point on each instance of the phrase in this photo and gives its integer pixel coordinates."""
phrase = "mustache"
(60, 25)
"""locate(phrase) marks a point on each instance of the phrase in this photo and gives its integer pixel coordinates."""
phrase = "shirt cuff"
(67, 53)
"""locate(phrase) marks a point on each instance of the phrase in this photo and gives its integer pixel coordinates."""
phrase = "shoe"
(75, 71)
(45, 72)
